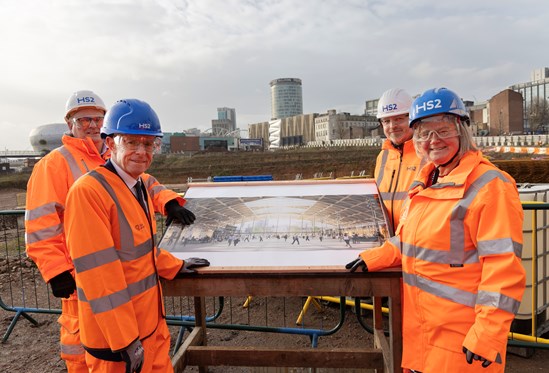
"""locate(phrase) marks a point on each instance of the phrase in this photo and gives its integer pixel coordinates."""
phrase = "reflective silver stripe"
(498, 300)
(157, 189)
(499, 246)
(95, 259)
(135, 252)
(416, 183)
(384, 157)
(126, 235)
(443, 291)
(112, 301)
(44, 234)
(466, 298)
(436, 256)
(126, 252)
(151, 180)
(47, 209)
(72, 349)
(102, 257)
(106, 303)
(444, 185)
(395, 240)
(397, 196)
(457, 235)
(75, 170)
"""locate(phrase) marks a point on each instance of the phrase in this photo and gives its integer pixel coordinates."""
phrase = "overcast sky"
(187, 58)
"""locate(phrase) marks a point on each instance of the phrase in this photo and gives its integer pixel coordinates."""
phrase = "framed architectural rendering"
(290, 225)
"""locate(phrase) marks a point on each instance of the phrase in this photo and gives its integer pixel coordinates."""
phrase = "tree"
(538, 115)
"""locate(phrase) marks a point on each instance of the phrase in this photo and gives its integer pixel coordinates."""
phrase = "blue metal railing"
(23, 292)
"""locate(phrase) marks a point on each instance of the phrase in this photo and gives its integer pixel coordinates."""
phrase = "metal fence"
(24, 294)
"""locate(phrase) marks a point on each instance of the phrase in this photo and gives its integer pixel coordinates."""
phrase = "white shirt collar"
(128, 179)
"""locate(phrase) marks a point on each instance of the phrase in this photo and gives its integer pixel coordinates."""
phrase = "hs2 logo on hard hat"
(389, 107)
(146, 126)
(429, 105)
(85, 100)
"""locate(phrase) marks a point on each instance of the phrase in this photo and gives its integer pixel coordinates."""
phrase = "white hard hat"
(392, 102)
(83, 99)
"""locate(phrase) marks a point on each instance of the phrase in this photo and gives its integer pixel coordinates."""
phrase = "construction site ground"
(35, 348)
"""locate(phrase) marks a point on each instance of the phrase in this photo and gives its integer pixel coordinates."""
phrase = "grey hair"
(466, 141)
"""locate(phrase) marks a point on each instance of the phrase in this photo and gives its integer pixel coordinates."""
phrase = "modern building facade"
(535, 93)
(225, 122)
(286, 98)
(259, 131)
(296, 130)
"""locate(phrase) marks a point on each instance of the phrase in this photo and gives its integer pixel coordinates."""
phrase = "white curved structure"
(47, 137)
(274, 134)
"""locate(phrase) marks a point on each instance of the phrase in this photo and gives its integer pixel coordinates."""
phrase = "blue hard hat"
(131, 117)
(437, 101)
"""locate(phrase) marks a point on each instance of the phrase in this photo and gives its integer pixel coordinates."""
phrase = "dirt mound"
(525, 170)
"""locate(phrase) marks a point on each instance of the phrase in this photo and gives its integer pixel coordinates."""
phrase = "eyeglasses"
(424, 134)
(133, 143)
(397, 120)
(85, 122)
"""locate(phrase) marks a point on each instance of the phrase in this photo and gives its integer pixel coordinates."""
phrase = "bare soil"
(32, 349)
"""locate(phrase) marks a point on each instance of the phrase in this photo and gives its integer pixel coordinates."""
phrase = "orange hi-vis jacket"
(459, 243)
(112, 244)
(47, 190)
(394, 173)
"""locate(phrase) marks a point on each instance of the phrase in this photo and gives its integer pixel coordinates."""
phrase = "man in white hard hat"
(397, 163)
(52, 176)
(83, 150)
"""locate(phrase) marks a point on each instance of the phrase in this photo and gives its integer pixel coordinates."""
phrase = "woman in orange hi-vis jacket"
(110, 229)
(459, 243)
(83, 150)
(397, 164)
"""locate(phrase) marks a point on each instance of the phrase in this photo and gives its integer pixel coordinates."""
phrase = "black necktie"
(140, 196)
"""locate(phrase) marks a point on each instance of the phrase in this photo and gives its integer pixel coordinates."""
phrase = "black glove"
(134, 356)
(179, 213)
(191, 263)
(355, 264)
(63, 285)
(470, 356)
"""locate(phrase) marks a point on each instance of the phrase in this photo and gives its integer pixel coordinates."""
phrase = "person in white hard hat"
(84, 113)
(397, 163)
(82, 151)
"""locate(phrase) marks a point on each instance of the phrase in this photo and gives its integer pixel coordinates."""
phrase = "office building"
(225, 122)
(371, 107)
(286, 98)
(535, 94)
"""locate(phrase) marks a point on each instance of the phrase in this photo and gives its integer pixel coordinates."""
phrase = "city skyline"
(187, 58)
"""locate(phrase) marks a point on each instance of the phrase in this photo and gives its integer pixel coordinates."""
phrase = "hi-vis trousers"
(157, 355)
(72, 351)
